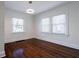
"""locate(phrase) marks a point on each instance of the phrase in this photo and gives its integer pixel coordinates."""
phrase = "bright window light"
(17, 25)
(59, 24)
(45, 25)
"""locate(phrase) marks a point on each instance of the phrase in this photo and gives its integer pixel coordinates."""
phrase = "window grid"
(17, 25)
(45, 25)
(58, 26)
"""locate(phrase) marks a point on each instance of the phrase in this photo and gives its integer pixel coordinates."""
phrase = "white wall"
(2, 52)
(9, 36)
(72, 39)
(31, 26)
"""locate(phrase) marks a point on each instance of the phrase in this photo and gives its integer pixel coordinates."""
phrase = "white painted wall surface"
(72, 12)
(9, 36)
(31, 26)
(2, 52)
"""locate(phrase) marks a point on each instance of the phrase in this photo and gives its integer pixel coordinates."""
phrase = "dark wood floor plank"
(35, 48)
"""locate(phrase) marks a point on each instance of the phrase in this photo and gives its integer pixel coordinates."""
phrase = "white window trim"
(49, 25)
(66, 24)
(67, 27)
(23, 27)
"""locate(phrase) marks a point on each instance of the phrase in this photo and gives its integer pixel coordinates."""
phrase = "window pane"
(45, 25)
(59, 28)
(45, 28)
(59, 19)
(14, 21)
(54, 29)
(17, 25)
(20, 22)
(45, 21)
(59, 24)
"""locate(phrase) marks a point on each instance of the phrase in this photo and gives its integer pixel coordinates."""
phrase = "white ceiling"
(38, 6)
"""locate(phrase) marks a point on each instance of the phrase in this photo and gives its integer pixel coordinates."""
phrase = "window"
(59, 24)
(45, 25)
(17, 25)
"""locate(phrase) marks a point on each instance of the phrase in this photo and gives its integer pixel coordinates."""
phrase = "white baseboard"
(71, 46)
(2, 54)
(14, 40)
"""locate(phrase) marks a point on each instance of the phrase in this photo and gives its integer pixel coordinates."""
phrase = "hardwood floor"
(35, 48)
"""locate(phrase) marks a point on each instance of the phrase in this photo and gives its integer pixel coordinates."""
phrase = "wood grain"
(36, 48)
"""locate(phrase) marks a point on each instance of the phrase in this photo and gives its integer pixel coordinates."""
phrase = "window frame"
(49, 25)
(66, 25)
(17, 26)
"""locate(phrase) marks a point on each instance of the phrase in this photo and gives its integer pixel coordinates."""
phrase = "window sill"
(46, 32)
(60, 34)
(16, 32)
(55, 33)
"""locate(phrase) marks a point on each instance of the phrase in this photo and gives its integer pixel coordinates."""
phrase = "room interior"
(39, 29)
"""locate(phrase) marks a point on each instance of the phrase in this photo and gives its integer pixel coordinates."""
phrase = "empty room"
(39, 29)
